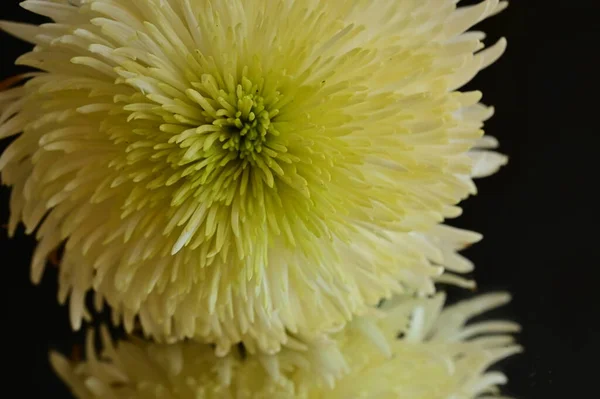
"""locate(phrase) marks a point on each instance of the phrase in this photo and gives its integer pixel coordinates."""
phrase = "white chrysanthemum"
(437, 357)
(233, 170)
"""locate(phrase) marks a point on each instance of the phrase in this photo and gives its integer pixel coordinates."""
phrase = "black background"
(536, 214)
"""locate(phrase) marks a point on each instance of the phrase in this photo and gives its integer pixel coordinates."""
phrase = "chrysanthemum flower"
(410, 350)
(233, 170)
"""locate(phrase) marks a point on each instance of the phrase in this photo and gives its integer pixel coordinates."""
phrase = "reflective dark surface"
(537, 214)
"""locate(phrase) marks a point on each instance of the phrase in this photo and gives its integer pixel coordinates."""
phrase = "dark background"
(536, 214)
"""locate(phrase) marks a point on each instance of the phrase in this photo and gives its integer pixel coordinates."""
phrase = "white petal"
(486, 163)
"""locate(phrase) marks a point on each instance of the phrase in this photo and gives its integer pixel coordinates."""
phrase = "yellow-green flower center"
(248, 130)
(228, 136)
(246, 125)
